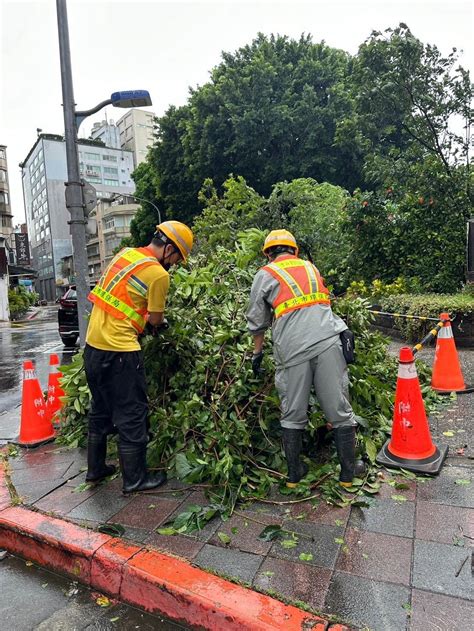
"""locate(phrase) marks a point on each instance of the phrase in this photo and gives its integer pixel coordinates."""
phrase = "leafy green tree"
(407, 96)
(314, 213)
(269, 113)
(143, 224)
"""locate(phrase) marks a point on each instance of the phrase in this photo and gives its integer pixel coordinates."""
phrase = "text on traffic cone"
(53, 402)
(410, 445)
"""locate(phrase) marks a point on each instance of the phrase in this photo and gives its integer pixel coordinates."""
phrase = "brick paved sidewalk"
(403, 563)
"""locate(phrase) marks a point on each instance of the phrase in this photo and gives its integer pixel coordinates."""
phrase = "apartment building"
(44, 172)
(136, 133)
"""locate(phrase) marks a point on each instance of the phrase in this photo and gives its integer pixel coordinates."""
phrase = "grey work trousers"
(328, 374)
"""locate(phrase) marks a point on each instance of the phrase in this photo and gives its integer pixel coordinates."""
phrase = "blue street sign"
(131, 98)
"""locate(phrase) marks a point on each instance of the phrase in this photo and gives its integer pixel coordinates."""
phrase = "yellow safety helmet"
(179, 234)
(280, 237)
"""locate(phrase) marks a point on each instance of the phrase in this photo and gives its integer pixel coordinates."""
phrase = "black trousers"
(119, 397)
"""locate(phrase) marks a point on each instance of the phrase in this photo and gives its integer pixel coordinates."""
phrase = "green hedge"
(459, 306)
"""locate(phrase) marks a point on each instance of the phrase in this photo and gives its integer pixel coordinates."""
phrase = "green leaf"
(289, 543)
(114, 530)
(270, 533)
(234, 530)
(338, 522)
(402, 486)
(166, 531)
(448, 433)
(306, 556)
(183, 468)
(399, 498)
(462, 482)
(339, 541)
(224, 538)
(371, 449)
(267, 573)
(85, 486)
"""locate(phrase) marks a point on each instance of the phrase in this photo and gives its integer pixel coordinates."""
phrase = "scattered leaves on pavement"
(306, 556)
(224, 538)
(399, 498)
(103, 601)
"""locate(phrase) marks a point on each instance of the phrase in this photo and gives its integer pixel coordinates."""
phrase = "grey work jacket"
(297, 336)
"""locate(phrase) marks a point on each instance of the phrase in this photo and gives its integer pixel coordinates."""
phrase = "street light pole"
(147, 201)
(74, 201)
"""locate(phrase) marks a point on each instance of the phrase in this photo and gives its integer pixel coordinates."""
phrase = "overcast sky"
(165, 47)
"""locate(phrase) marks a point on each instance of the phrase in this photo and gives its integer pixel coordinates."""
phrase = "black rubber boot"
(134, 473)
(345, 447)
(292, 442)
(97, 470)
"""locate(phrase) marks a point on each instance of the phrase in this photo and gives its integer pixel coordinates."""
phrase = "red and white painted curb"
(143, 576)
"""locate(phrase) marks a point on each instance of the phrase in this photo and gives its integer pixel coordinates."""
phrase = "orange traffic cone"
(447, 375)
(53, 403)
(35, 428)
(410, 446)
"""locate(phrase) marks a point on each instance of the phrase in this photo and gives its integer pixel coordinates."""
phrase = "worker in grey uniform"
(289, 295)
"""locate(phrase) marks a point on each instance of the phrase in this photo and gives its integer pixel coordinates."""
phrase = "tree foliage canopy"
(284, 116)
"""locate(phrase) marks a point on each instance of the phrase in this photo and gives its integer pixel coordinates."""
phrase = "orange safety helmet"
(280, 237)
(179, 234)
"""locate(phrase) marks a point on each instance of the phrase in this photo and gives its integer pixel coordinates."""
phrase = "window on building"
(3, 175)
(40, 154)
(109, 158)
(91, 156)
(111, 170)
(110, 223)
(108, 182)
(93, 179)
(2, 154)
(43, 180)
(41, 167)
(93, 168)
(6, 222)
(3, 198)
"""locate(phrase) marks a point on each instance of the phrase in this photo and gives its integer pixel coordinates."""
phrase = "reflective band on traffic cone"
(35, 428)
(410, 446)
(53, 403)
(447, 375)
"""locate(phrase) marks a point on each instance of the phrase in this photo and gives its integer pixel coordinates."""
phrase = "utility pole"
(74, 202)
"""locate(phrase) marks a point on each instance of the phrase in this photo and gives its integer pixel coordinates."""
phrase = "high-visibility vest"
(111, 292)
(301, 285)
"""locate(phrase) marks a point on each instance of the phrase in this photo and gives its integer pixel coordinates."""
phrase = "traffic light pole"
(74, 201)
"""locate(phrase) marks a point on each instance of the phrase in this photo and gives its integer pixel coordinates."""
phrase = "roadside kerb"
(142, 576)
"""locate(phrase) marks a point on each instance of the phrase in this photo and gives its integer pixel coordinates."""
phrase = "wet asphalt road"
(34, 340)
(33, 599)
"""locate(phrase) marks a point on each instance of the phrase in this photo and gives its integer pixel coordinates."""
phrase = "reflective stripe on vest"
(111, 294)
(118, 304)
(299, 298)
(123, 272)
(302, 301)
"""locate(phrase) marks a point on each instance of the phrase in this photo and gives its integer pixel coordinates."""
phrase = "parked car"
(67, 317)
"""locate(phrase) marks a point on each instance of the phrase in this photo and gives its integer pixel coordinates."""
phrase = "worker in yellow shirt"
(130, 296)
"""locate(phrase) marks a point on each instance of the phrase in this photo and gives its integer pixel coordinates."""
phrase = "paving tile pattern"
(400, 564)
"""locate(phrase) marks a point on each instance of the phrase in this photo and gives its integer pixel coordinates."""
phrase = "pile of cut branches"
(213, 422)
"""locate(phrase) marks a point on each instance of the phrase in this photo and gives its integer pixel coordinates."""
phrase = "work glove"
(256, 363)
(154, 330)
